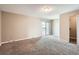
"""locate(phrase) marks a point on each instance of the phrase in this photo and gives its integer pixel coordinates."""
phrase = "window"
(45, 28)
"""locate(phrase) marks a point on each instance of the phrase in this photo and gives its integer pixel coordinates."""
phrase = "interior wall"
(16, 27)
(64, 25)
(55, 27)
(0, 27)
(51, 29)
(77, 19)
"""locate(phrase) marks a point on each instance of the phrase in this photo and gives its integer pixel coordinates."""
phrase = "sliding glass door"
(45, 28)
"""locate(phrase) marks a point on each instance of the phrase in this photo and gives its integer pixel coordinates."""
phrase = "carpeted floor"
(39, 46)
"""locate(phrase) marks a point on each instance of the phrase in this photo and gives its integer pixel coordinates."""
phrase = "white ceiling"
(35, 9)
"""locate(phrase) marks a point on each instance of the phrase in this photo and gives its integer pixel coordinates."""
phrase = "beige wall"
(16, 27)
(0, 27)
(64, 25)
(77, 19)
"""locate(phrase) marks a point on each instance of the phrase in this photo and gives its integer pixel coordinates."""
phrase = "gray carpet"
(55, 47)
(40, 46)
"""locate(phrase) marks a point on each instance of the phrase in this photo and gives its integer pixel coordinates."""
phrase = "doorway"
(72, 30)
(45, 28)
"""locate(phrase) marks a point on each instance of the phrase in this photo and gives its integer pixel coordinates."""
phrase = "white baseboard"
(18, 40)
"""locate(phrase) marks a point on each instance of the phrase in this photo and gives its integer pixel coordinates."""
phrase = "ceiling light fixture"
(46, 9)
